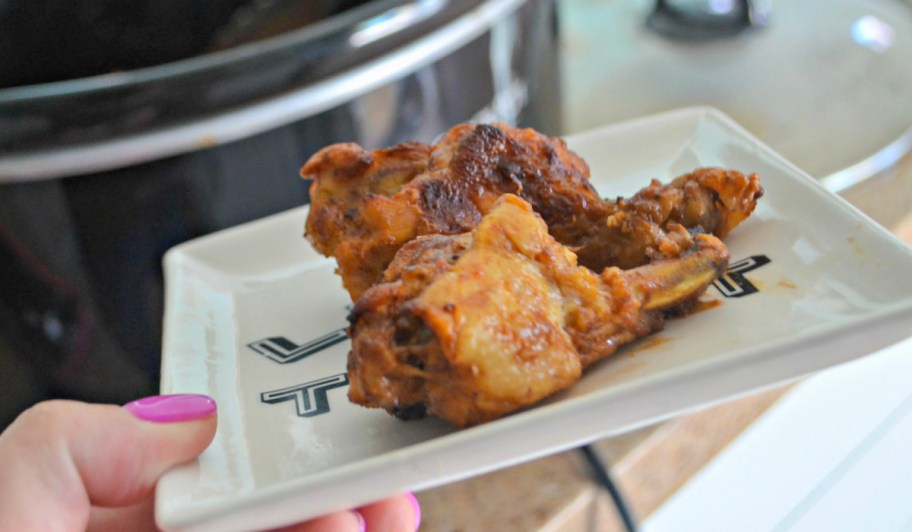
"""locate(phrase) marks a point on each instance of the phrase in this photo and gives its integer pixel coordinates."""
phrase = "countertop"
(649, 465)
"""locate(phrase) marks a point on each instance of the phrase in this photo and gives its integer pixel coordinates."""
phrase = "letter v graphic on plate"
(282, 350)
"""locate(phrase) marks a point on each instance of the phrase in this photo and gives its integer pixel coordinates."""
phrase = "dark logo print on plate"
(733, 283)
(282, 350)
(310, 398)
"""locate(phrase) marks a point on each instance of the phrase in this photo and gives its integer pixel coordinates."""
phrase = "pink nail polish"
(362, 524)
(171, 408)
(417, 507)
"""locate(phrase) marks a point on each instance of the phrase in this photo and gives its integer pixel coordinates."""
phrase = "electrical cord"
(601, 472)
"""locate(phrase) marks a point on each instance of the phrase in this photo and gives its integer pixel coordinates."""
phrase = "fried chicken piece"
(654, 223)
(366, 204)
(471, 327)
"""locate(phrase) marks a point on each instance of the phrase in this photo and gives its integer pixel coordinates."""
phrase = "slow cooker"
(199, 121)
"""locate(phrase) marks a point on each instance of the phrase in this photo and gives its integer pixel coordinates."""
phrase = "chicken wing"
(366, 204)
(656, 222)
(473, 326)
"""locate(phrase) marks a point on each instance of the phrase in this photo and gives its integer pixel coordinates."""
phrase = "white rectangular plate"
(255, 318)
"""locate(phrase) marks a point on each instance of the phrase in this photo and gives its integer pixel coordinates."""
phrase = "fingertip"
(362, 523)
(399, 513)
(92, 454)
(416, 507)
(123, 467)
(352, 521)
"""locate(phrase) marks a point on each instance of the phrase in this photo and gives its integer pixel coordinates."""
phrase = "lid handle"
(705, 20)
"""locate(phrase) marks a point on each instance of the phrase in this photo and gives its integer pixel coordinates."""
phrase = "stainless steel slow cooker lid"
(825, 84)
(120, 119)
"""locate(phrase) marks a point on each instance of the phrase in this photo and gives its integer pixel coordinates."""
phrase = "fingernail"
(170, 408)
(417, 507)
(362, 524)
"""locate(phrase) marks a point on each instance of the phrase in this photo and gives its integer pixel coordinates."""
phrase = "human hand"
(68, 465)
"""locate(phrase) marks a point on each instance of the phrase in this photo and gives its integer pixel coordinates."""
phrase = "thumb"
(60, 458)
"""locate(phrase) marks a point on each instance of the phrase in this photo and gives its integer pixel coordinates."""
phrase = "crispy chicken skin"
(473, 326)
(656, 222)
(366, 204)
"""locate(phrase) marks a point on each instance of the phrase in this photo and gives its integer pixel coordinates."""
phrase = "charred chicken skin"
(657, 222)
(473, 326)
(365, 205)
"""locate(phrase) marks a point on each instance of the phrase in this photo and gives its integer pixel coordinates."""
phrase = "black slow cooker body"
(93, 190)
